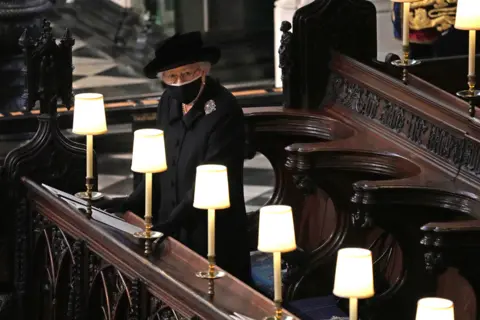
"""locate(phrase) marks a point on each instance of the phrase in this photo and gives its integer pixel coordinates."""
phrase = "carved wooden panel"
(66, 280)
(414, 127)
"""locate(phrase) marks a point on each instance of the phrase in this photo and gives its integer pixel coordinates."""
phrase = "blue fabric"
(318, 308)
(262, 272)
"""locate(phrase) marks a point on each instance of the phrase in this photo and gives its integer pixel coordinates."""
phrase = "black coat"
(200, 137)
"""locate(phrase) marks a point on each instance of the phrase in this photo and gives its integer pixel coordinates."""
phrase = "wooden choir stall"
(363, 159)
(98, 271)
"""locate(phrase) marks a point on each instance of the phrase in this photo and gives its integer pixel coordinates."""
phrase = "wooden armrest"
(454, 226)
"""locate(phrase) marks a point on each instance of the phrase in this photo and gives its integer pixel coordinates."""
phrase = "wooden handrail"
(169, 274)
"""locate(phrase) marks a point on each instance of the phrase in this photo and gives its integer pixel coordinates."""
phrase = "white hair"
(204, 65)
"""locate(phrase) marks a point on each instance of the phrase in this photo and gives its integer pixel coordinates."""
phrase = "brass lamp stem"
(406, 57)
(89, 184)
(406, 53)
(278, 309)
(211, 276)
(472, 81)
(148, 226)
(147, 234)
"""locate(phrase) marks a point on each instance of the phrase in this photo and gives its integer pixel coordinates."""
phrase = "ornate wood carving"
(49, 157)
(395, 172)
(15, 16)
(412, 126)
(269, 133)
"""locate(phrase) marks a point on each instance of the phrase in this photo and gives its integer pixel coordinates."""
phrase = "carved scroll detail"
(305, 184)
(412, 126)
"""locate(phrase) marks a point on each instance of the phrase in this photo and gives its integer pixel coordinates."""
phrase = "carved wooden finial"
(48, 71)
(29, 92)
(286, 26)
(286, 60)
(24, 38)
(46, 29)
(67, 39)
(66, 71)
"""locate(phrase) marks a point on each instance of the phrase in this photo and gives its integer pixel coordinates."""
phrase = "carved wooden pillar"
(15, 15)
(386, 42)
(283, 11)
(49, 157)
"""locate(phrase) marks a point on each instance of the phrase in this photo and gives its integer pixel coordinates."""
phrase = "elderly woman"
(203, 124)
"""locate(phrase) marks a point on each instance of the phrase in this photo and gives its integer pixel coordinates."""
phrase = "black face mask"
(187, 92)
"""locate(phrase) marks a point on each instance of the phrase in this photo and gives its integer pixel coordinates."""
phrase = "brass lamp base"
(468, 94)
(471, 96)
(148, 237)
(84, 195)
(210, 275)
(278, 312)
(143, 235)
(405, 63)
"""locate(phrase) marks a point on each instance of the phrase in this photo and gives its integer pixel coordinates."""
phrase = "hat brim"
(206, 54)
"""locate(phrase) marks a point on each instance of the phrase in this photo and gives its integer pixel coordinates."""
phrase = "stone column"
(386, 43)
(283, 11)
(15, 16)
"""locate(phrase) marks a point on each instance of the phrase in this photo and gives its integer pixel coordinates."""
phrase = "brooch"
(210, 106)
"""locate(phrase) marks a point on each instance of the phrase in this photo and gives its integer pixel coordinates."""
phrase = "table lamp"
(435, 308)
(405, 62)
(354, 277)
(211, 193)
(148, 157)
(468, 18)
(276, 234)
(89, 120)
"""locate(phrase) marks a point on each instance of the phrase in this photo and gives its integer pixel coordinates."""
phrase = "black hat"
(180, 50)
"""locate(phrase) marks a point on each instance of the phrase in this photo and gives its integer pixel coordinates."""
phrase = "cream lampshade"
(354, 274)
(354, 277)
(276, 232)
(89, 114)
(468, 15)
(211, 187)
(148, 151)
(435, 308)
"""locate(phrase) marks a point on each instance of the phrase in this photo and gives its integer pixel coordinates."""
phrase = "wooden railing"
(122, 110)
(83, 269)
